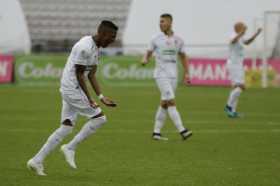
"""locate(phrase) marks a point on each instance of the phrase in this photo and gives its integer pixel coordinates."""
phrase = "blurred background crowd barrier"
(36, 36)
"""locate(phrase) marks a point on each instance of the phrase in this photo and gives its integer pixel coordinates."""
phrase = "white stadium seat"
(71, 19)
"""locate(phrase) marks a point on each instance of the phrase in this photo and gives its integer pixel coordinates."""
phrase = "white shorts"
(236, 74)
(167, 87)
(77, 104)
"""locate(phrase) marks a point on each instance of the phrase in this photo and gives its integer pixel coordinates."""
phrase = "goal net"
(271, 48)
(272, 34)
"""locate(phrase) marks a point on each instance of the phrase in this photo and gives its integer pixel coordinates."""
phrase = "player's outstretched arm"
(249, 41)
(237, 37)
(95, 85)
(185, 63)
(146, 57)
(80, 69)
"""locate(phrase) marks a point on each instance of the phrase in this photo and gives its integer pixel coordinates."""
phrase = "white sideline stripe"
(207, 113)
(154, 111)
(131, 131)
(187, 122)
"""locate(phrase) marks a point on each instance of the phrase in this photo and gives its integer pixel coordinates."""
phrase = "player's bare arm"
(238, 36)
(95, 85)
(147, 57)
(80, 69)
(249, 41)
(185, 61)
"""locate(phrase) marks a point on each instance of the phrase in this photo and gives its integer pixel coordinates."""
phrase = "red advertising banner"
(213, 72)
(204, 71)
(6, 68)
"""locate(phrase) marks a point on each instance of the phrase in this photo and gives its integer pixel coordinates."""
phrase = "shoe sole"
(188, 136)
(160, 139)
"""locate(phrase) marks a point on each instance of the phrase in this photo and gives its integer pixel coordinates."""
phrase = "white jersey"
(84, 52)
(236, 51)
(166, 49)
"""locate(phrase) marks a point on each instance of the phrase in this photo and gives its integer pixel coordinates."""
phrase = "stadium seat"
(70, 19)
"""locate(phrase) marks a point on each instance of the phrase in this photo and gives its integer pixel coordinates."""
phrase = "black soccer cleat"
(157, 136)
(186, 134)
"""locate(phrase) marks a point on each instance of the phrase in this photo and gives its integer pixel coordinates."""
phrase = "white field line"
(150, 111)
(144, 121)
(203, 112)
(132, 131)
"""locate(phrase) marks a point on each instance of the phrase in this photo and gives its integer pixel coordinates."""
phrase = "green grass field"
(222, 152)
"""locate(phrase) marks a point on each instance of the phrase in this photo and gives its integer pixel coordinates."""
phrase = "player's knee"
(239, 89)
(100, 117)
(103, 119)
(240, 86)
(171, 103)
(97, 122)
(164, 104)
(67, 122)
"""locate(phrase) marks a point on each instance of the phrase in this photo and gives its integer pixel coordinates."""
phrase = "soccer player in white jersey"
(235, 66)
(76, 100)
(167, 47)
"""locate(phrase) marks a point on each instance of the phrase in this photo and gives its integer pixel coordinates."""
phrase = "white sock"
(89, 128)
(176, 118)
(235, 105)
(233, 98)
(54, 139)
(160, 118)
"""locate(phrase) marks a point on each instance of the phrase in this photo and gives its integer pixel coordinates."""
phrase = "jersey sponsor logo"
(168, 52)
